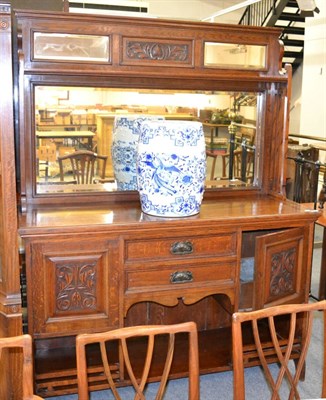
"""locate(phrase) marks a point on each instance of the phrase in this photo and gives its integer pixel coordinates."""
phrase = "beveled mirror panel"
(72, 119)
(69, 47)
(232, 55)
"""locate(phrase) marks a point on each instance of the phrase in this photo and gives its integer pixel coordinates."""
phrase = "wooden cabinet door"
(72, 285)
(281, 268)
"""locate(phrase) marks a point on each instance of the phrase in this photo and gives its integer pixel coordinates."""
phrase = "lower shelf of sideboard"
(55, 361)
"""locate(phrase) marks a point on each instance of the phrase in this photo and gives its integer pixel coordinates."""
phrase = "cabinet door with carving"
(72, 285)
(282, 268)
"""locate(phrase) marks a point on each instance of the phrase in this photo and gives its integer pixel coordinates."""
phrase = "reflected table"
(61, 187)
(78, 136)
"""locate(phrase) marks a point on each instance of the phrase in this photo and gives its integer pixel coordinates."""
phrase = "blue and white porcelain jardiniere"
(124, 149)
(171, 167)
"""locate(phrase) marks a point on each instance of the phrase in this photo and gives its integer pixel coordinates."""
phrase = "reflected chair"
(275, 343)
(138, 345)
(45, 155)
(25, 343)
(243, 169)
(83, 164)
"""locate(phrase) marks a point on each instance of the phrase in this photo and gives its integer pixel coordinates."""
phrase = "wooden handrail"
(307, 137)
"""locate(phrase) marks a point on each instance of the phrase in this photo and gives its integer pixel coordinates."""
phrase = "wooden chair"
(279, 346)
(25, 343)
(138, 363)
(83, 166)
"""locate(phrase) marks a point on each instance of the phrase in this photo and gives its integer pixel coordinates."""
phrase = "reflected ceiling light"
(307, 8)
(230, 9)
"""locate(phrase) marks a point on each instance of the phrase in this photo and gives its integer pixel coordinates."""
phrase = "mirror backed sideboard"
(93, 261)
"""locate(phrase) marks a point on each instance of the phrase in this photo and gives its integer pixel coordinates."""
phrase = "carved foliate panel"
(76, 286)
(160, 52)
(282, 280)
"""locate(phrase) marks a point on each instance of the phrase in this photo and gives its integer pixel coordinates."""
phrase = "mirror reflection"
(77, 132)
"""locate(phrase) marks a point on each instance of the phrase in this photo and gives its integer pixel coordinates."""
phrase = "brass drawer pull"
(179, 248)
(181, 277)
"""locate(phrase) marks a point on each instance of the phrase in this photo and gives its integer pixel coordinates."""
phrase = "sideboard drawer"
(194, 246)
(185, 276)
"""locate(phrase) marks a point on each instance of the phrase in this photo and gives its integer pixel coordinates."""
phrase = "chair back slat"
(83, 166)
(24, 342)
(292, 343)
(138, 372)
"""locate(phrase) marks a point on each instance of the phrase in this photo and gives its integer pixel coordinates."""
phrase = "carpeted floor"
(218, 386)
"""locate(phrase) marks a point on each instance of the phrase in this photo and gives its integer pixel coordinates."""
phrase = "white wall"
(194, 9)
(313, 97)
(295, 113)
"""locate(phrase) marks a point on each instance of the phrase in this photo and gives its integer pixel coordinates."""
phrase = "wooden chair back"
(83, 166)
(133, 366)
(280, 347)
(25, 343)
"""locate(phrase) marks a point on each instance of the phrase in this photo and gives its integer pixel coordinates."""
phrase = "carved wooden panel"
(73, 289)
(142, 51)
(279, 276)
(75, 281)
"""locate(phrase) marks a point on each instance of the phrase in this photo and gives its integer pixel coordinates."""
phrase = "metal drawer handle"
(181, 277)
(180, 248)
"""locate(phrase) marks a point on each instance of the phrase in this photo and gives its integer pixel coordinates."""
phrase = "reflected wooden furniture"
(24, 343)
(45, 155)
(214, 128)
(83, 164)
(77, 136)
(243, 160)
(104, 139)
(214, 156)
(135, 367)
(72, 187)
(286, 336)
(237, 165)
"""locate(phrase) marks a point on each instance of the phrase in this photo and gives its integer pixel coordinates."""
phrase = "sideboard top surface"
(255, 211)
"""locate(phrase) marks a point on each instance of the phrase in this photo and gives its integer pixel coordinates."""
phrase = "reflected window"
(230, 55)
(68, 47)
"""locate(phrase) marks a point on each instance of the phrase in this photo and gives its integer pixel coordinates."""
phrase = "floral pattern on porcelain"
(171, 167)
(124, 149)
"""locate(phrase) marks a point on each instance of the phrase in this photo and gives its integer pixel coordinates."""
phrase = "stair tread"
(293, 54)
(291, 29)
(291, 17)
(293, 42)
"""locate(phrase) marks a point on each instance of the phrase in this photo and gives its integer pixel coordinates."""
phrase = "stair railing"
(256, 14)
(302, 167)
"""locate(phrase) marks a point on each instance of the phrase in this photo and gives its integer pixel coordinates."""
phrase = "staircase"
(283, 14)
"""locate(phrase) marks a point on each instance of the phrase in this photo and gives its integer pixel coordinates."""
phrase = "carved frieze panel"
(137, 51)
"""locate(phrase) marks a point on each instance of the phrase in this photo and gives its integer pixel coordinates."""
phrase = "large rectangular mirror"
(74, 119)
